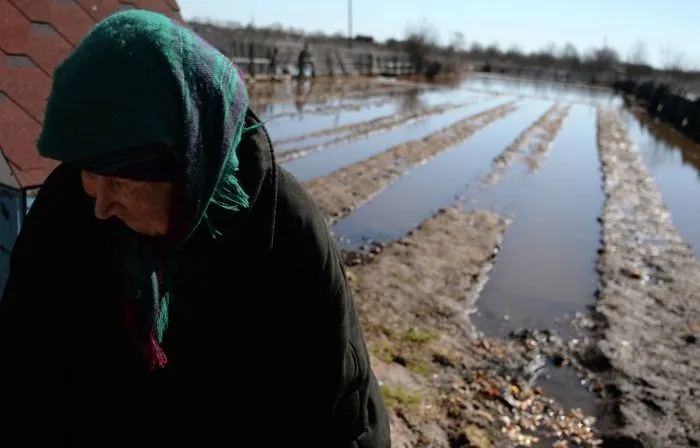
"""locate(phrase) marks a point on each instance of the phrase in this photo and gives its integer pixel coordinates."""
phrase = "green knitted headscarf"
(141, 89)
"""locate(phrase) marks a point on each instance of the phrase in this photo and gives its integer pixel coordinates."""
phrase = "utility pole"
(349, 23)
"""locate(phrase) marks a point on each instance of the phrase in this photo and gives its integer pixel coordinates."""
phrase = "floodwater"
(546, 267)
(570, 93)
(545, 271)
(419, 194)
(674, 162)
(301, 124)
(297, 125)
(332, 159)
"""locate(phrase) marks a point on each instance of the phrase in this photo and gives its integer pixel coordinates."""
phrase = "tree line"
(421, 41)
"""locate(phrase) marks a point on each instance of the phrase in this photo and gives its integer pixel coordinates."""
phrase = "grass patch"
(407, 348)
(416, 336)
(398, 397)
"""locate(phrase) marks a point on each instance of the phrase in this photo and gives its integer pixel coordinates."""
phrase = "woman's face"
(143, 206)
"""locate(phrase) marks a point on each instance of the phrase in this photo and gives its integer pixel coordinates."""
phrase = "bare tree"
(421, 39)
(601, 58)
(493, 51)
(514, 53)
(672, 59)
(638, 54)
(457, 41)
(569, 55)
(547, 56)
(476, 49)
(550, 49)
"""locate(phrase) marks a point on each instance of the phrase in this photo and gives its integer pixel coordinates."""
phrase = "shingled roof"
(35, 36)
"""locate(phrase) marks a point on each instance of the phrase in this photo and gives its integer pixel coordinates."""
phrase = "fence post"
(251, 57)
(329, 62)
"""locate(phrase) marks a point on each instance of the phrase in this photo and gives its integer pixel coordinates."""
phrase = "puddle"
(546, 266)
(674, 163)
(564, 384)
(329, 160)
(414, 197)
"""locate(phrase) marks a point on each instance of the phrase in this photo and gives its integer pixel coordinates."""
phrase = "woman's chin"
(145, 228)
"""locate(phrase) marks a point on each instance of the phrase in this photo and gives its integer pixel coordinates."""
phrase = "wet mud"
(544, 138)
(647, 317)
(356, 131)
(530, 145)
(444, 385)
(345, 189)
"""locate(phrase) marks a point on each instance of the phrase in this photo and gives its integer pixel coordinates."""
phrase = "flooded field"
(494, 232)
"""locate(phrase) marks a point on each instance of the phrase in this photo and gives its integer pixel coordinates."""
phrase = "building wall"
(11, 216)
(7, 177)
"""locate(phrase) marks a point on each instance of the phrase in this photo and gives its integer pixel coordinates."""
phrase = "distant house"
(366, 39)
(35, 36)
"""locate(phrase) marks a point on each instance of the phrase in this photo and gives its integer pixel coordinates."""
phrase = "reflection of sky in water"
(414, 197)
(546, 266)
(555, 90)
(673, 163)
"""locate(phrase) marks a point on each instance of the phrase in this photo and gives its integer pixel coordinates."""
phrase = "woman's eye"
(118, 185)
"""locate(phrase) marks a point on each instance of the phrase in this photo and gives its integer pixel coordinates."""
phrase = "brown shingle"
(25, 83)
(99, 9)
(19, 131)
(19, 35)
(35, 36)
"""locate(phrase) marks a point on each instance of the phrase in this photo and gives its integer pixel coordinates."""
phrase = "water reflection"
(663, 141)
(552, 90)
(674, 163)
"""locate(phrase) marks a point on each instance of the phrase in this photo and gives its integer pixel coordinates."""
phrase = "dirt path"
(347, 188)
(443, 385)
(648, 312)
(529, 144)
(357, 131)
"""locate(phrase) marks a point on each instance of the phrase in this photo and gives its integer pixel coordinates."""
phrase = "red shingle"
(18, 131)
(35, 36)
(99, 9)
(34, 177)
(20, 36)
(66, 16)
(25, 83)
(153, 5)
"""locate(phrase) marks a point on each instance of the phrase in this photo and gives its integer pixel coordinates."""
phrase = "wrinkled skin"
(142, 206)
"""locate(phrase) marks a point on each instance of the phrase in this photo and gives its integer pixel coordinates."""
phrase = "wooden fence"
(255, 58)
(667, 102)
(605, 76)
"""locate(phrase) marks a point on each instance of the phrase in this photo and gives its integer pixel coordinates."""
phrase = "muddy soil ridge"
(347, 188)
(365, 129)
(544, 137)
(531, 144)
(444, 385)
(648, 311)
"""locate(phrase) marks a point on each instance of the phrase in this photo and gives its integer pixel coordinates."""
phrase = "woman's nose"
(103, 200)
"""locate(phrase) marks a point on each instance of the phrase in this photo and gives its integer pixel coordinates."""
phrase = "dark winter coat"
(264, 345)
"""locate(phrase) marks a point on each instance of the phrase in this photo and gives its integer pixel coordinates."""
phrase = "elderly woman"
(172, 285)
